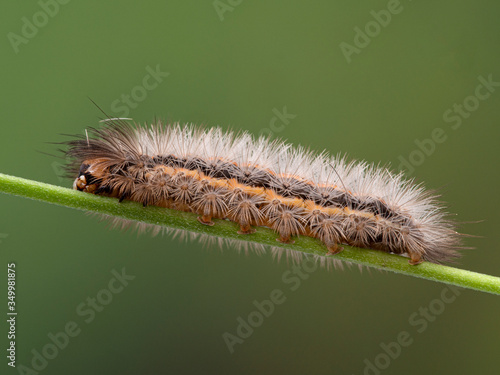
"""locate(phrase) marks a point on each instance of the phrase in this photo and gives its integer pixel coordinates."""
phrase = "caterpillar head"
(89, 176)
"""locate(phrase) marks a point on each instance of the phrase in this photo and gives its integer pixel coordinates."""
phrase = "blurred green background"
(235, 64)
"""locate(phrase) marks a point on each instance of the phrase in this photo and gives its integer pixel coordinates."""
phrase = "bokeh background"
(237, 64)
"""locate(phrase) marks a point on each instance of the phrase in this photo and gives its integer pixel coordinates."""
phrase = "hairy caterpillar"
(259, 182)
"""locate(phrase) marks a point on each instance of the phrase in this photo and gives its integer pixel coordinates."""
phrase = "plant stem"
(226, 229)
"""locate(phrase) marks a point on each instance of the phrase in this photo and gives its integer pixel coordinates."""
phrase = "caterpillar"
(256, 181)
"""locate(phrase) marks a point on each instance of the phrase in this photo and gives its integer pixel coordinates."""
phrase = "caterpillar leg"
(246, 229)
(334, 249)
(285, 239)
(415, 258)
(205, 220)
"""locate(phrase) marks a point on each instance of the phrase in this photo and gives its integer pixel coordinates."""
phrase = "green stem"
(226, 229)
